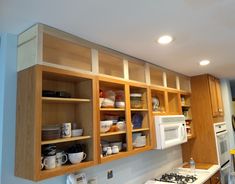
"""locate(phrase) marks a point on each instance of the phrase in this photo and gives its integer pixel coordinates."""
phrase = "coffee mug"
(61, 158)
(49, 150)
(75, 158)
(42, 165)
(50, 162)
(66, 130)
(115, 149)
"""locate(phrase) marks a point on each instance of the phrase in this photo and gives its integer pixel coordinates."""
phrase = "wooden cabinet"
(216, 98)
(203, 148)
(187, 112)
(126, 114)
(50, 59)
(34, 111)
(215, 179)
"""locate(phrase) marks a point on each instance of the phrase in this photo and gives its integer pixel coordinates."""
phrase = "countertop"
(202, 174)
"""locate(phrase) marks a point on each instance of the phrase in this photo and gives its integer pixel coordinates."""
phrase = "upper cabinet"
(70, 84)
(216, 98)
(206, 107)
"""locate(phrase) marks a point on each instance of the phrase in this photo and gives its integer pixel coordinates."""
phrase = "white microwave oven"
(170, 131)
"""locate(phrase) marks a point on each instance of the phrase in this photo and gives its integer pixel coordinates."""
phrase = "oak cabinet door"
(213, 95)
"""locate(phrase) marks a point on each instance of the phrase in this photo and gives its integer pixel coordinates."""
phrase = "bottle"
(192, 165)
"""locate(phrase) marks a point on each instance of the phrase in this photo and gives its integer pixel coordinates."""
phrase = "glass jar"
(136, 100)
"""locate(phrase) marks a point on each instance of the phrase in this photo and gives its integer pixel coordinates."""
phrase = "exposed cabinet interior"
(184, 83)
(171, 79)
(187, 112)
(136, 71)
(173, 103)
(156, 75)
(51, 49)
(160, 106)
(126, 114)
(110, 64)
(66, 53)
(51, 111)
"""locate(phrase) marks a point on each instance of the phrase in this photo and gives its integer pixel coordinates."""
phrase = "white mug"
(66, 130)
(115, 149)
(75, 158)
(42, 165)
(109, 151)
(50, 162)
(61, 158)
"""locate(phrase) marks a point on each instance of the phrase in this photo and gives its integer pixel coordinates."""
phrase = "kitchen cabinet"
(127, 114)
(215, 179)
(216, 98)
(187, 112)
(203, 147)
(52, 60)
(35, 111)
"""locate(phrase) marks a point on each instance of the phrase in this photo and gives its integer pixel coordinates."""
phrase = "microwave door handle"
(182, 132)
(222, 133)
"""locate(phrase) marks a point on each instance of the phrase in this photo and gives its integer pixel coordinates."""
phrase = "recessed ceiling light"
(204, 62)
(166, 39)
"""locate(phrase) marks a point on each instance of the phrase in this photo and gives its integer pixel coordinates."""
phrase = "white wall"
(2, 75)
(131, 170)
(228, 109)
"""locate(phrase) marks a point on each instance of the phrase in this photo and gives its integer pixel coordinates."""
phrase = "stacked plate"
(50, 132)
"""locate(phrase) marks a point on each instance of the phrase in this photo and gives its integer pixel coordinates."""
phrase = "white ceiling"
(202, 29)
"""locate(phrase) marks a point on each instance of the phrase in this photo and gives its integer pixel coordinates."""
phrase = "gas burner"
(177, 178)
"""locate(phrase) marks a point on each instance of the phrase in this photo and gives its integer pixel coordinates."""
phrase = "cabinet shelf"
(159, 113)
(112, 109)
(185, 106)
(54, 141)
(44, 174)
(140, 129)
(188, 119)
(138, 150)
(144, 110)
(114, 157)
(64, 100)
(112, 133)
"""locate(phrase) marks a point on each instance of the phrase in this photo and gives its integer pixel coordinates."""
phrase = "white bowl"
(105, 125)
(107, 102)
(140, 141)
(76, 132)
(120, 104)
(75, 158)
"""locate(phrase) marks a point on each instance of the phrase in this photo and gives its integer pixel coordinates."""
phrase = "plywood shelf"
(185, 106)
(64, 100)
(112, 133)
(188, 119)
(140, 129)
(144, 110)
(112, 109)
(159, 113)
(65, 140)
(141, 149)
(114, 157)
(44, 174)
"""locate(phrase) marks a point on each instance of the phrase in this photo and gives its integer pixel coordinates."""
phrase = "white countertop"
(201, 174)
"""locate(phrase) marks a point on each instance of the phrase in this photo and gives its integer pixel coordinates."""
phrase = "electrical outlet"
(110, 174)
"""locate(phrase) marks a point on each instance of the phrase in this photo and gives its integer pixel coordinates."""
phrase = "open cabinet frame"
(30, 120)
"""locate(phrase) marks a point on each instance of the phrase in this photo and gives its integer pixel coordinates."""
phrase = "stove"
(174, 177)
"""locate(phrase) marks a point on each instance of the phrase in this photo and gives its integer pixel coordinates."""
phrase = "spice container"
(136, 100)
